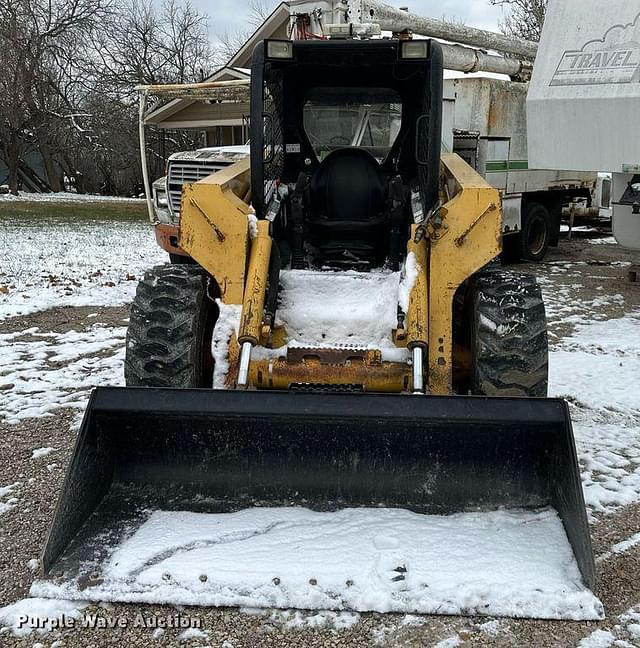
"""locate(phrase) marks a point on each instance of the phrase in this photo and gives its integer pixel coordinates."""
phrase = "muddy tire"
(509, 347)
(170, 329)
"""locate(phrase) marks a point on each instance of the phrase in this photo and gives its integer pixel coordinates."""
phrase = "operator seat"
(347, 219)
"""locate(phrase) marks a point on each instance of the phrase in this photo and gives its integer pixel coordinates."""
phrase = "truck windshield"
(365, 117)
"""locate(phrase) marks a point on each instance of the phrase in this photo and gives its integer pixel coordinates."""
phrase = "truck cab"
(183, 168)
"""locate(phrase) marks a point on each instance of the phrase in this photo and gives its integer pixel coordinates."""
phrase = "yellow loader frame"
(460, 237)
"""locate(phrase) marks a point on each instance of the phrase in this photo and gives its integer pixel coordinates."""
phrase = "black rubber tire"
(536, 233)
(509, 346)
(170, 329)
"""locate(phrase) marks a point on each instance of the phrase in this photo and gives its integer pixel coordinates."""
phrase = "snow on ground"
(42, 615)
(383, 634)
(610, 457)
(306, 619)
(64, 196)
(608, 349)
(621, 547)
(561, 303)
(54, 262)
(607, 240)
(9, 502)
(43, 372)
(594, 369)
(41, 452)
(630, 621)
(523, 565)
(623, 633)
(301, 620)
(450, 642)
(597, 639)
(192, 633)
(577, 374)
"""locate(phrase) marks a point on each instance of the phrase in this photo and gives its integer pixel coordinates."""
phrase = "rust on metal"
(361, 367)
(276, 338)
(256, 286)
(334, 356)
(233, 359)
(417, 317)
(460, 239)
(218, 232)
(167, 237)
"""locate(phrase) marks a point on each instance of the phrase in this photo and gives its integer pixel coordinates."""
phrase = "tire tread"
(509, 341)
(166, 328)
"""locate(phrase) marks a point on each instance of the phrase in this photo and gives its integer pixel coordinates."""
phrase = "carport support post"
(143, 155)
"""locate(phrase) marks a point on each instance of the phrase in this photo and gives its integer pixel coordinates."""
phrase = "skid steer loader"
(445, 412)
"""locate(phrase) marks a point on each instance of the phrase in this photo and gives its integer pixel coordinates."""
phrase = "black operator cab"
(345, 138)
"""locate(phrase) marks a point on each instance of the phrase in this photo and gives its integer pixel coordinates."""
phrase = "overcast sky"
(230, 15)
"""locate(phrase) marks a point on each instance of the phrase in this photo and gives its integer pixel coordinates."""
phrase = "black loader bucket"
(141, 450)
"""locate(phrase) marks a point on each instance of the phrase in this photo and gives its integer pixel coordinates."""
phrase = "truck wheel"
(509, 348)
(170, 329)
(536, 233)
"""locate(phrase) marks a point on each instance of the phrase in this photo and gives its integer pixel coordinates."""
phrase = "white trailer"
(584, 100)
(485, 123)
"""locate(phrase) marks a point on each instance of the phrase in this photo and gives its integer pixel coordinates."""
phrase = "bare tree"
(228, 45)
(259, 11)
(68, 76)
(150, 45)
(523, 18)
(185, 42)
(35, 37)
(143, 44)
(14, 115)
(230, 42)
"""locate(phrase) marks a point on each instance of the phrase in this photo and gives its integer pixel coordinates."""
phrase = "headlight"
(279, 49)
(161, 201)
(161, 198)
(415, 49)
